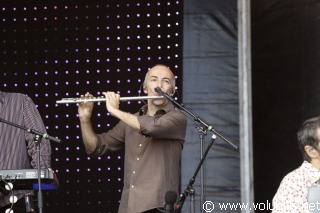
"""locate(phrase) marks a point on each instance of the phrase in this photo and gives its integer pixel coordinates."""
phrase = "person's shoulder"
(180, 116)
(12, 95)
(17, 97)
(171, 110)
(297, 174)
(179, 111)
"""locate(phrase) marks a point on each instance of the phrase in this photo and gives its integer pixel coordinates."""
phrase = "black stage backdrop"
(57, 49)
(285, 76)
(210, 90)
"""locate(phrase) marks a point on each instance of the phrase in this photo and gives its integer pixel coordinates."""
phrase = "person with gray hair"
(153, 139)
(293, 192)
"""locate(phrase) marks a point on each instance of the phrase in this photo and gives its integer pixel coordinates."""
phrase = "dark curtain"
(210, 90)
(285, 86)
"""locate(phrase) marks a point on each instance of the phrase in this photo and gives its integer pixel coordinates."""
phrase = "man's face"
(318, 147)
(314, 152)
(159, 76)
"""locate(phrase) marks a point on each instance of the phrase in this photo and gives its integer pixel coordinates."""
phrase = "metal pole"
(245, 122)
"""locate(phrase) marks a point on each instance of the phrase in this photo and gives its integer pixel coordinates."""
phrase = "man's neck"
(315, 163)
(152, 109)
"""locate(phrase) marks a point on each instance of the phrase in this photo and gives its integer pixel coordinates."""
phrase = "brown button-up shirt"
(152, 157)
(17, 149)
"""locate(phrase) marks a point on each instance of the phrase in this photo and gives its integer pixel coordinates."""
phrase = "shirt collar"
(165, 109)
(313, 173)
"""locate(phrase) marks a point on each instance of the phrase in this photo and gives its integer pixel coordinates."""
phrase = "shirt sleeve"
(112, 140)
(171, 125)
(33, 120)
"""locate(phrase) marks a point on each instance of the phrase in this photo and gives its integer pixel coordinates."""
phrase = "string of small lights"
(59, 49)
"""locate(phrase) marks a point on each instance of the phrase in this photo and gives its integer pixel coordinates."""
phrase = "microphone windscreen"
(170, 197)
(158, 90)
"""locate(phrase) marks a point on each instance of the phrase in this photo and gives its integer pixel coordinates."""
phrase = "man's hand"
(112, 102)
(85, 108)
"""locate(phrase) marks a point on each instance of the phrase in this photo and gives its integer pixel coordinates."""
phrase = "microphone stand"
(202, 132)
(37, 140)
(190, 190)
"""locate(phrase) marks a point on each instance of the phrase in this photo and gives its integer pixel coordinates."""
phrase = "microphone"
(46, 136)
(159, 91)
(170, 198)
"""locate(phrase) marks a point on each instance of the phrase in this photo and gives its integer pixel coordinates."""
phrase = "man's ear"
(311, 152)
(172, 92)
(145, 89)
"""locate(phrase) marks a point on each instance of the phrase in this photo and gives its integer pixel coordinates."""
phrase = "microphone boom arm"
(196, 118)
(42, 135)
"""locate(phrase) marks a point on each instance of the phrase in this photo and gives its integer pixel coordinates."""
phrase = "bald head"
(161, 68)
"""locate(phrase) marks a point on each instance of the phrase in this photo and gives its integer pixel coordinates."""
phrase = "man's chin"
(160, 102)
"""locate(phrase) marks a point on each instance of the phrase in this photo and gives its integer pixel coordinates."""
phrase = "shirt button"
(134, 172)
(132, 186)
(138, 158)
(140, 144)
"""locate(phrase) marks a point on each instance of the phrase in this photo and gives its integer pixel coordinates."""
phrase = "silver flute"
(101, 99)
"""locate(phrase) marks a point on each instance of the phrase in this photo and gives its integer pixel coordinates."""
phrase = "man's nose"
(160, 84)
